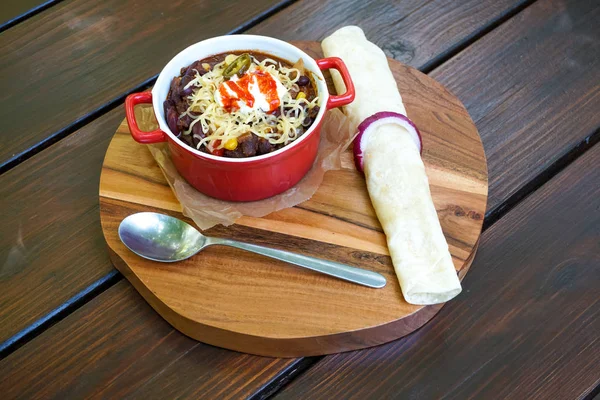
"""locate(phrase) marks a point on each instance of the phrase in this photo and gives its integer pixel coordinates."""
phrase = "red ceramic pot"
(240, 179)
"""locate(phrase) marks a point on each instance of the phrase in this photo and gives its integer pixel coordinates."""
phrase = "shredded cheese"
(219, 126)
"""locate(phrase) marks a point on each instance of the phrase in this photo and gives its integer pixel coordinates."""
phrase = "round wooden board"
(245, 302)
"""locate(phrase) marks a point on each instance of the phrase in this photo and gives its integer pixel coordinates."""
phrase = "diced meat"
(191, 70)
(294, 90)
(187, 139)
(264, 146)
(249, 144)
(237, 153)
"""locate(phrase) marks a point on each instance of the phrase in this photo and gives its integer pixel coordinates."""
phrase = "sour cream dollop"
(255, 90)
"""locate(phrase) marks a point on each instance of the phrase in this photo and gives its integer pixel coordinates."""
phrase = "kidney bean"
(172, 121)
(307, 122)
(303, 81)
(176, 87)
(197, 130)
(168, 104)
(196, 138)
(184, 81)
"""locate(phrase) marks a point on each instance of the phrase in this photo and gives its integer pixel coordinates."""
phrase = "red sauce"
(266, 85)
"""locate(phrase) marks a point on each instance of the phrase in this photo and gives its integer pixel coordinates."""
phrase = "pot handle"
(138, 135)
(337, 64)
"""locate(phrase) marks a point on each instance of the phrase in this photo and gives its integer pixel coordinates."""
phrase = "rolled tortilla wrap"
(395, 174)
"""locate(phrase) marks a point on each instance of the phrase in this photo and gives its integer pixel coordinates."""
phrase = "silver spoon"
(160, 237)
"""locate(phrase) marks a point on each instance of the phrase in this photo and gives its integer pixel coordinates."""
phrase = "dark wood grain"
(15, 9)
(50, 239)
(412, 31)
(532, 87)
(67, 61)
(93, 354)
(526, 326)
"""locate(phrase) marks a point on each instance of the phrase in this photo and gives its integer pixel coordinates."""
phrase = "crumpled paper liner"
(207, 211)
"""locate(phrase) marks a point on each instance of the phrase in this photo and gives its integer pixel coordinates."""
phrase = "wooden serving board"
(246, 302)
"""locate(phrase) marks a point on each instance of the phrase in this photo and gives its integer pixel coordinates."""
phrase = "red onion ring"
(376, 120)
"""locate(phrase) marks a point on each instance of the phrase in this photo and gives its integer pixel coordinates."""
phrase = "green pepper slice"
(238, 66)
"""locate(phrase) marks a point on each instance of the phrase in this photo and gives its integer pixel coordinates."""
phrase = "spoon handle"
(342, 271)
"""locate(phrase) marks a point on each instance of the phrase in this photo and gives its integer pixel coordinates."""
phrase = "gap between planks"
(437, 62)
(28, 14)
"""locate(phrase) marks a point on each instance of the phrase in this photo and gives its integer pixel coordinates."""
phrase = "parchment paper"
(206, 211)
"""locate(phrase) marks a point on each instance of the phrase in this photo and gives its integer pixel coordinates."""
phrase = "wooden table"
(527, 324)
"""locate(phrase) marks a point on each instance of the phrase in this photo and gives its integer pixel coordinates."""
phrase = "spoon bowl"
(160, 237)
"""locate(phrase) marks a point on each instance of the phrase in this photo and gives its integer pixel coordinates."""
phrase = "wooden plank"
(415, 32)
(526, 325)
(81, 54)
(13, 10)
(531, 86)
(51, 235)
(93, 354)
